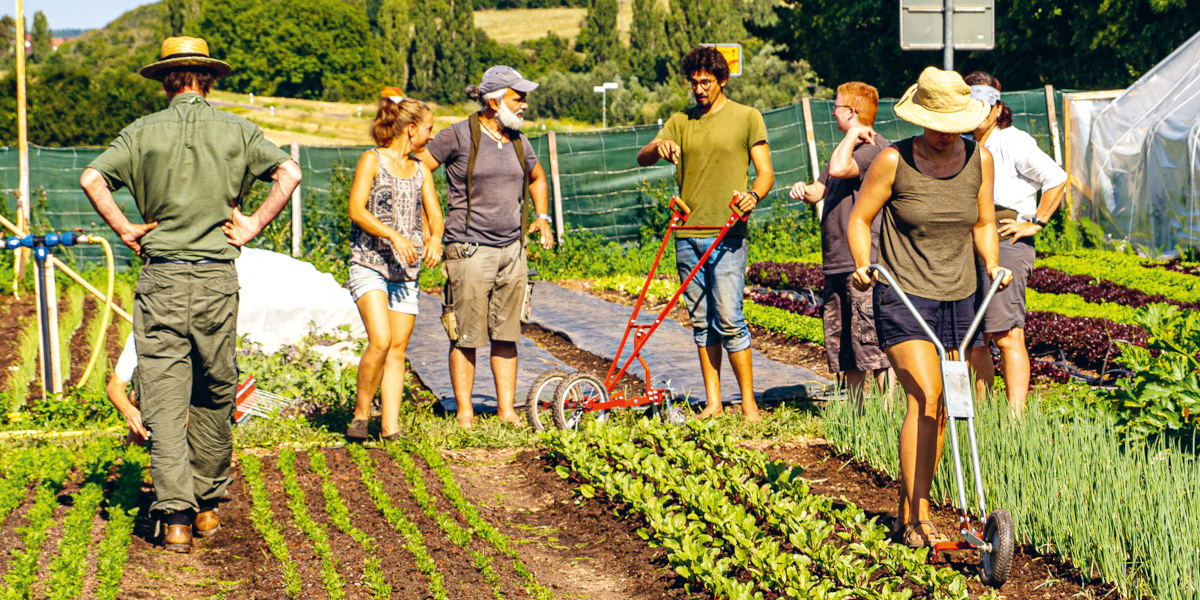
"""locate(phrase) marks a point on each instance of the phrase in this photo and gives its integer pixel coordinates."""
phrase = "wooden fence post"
(559, 226)
(1053, 117)
(297, 210)
(811, 137)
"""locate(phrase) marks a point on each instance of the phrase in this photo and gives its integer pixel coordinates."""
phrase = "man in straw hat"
(188, 167)
(935, 193)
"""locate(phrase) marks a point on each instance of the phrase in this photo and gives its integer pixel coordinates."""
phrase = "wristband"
(1037, 221)
(757, 198)
(544, 217)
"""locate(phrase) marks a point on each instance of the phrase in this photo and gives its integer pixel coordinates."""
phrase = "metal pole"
(556, 184)
(604, 109)
(948, 35)
(297, 210)
(23, 215)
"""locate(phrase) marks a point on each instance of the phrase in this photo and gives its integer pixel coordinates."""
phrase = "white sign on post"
(922, 26)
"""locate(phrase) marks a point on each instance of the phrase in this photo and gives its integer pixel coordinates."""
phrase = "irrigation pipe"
(58, 264)
(108, 305)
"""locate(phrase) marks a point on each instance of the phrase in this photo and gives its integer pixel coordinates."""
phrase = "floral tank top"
(396, 202)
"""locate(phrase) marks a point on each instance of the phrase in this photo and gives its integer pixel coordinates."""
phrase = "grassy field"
(317, 123)
(513, 26)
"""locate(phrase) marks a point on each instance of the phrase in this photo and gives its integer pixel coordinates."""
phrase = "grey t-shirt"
(497, 186)
(840, 196)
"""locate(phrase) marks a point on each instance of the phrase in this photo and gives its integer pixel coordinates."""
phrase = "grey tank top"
(396, 202)
(925, 239)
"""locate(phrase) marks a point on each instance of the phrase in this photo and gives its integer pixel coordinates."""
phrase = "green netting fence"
(601, 185)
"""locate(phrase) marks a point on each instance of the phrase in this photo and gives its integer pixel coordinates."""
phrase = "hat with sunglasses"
(941, 101)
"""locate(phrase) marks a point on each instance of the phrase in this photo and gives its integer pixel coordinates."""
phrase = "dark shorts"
(848, 316)
(1007, 310)
(949, 320)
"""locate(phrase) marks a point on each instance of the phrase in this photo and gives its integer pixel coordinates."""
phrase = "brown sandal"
(921, 534)
(357, 431)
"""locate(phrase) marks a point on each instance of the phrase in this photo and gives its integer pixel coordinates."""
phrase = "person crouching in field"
(712, 145)
(392, 204)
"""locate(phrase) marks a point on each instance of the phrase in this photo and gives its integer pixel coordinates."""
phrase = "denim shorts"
(401, 295)
(714, 297)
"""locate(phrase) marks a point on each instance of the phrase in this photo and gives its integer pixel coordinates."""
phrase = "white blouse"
(1021, 170)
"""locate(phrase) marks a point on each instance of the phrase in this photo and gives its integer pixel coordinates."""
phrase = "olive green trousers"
(184, 324)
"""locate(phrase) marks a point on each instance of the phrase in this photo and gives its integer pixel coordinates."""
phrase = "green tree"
(8, 34)
(598, 38)
(72, 106)
(41, 38)
(648, 56)
(455, 67)
(393, 23)
(422, 52)
(692, 22)
(1087, 45)
(293, 48)
(548, 54)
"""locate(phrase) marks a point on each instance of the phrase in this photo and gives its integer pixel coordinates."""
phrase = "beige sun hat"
(941, 101)
(183, 51)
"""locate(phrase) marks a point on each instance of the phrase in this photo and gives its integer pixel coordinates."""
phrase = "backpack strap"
(473, 125)
(519, 146)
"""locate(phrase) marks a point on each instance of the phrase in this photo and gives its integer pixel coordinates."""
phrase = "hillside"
(516, 25)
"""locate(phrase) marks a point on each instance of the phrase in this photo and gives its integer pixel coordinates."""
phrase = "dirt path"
(581, 550)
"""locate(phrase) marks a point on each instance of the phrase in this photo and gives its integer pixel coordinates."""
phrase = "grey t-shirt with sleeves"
(840, 196)
(497, 186)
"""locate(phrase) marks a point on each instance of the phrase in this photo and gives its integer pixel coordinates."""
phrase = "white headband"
(396, 99)
(988, 94)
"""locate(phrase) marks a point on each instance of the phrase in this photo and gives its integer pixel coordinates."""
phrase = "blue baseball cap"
(502, 76)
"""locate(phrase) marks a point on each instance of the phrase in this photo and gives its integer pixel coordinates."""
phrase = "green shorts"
(486, 292)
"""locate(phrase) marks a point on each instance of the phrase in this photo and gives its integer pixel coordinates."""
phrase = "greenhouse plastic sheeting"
(1143, 157)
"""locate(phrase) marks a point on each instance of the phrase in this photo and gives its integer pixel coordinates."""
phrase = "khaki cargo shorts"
(848, 317)
(486, 297)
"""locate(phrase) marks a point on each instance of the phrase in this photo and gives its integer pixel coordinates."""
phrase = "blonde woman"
(392, 205)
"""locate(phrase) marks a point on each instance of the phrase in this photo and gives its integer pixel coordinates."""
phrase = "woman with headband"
(1021, 171)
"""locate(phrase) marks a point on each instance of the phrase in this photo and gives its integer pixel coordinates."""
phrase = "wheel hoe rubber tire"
(577, 388)
(998, 531)
(540, 397)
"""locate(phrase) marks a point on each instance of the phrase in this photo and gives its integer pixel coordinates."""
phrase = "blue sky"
(69, 14)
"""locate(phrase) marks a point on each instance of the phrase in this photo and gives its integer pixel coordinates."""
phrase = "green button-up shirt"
(187, 167)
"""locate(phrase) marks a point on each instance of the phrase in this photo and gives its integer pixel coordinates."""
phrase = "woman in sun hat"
(935, 191)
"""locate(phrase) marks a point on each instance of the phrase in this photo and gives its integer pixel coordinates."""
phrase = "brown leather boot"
(178, 537)
(207, 523)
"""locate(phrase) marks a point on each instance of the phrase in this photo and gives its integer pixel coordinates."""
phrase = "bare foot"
(466, 421)
(709, 411)
(510, 417)
(751, 414)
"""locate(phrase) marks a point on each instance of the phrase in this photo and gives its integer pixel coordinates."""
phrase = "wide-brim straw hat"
(941, 101)
(183, 51)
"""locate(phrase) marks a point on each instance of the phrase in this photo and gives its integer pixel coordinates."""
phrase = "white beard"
(508, 118)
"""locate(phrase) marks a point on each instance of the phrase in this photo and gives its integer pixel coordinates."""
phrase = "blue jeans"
(714, 297)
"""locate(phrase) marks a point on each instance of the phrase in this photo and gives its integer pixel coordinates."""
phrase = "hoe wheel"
(573, 396)
(995, 565)
(540, 397)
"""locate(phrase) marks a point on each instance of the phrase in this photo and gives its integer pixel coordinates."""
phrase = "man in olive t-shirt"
(712, 145)
(188, 167)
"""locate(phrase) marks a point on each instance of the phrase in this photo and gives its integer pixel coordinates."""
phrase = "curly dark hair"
(706, 58)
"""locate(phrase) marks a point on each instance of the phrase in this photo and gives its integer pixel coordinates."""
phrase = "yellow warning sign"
(733, 56)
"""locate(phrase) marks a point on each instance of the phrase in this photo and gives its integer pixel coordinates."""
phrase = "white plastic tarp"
(283, 299)
(1142, 157)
